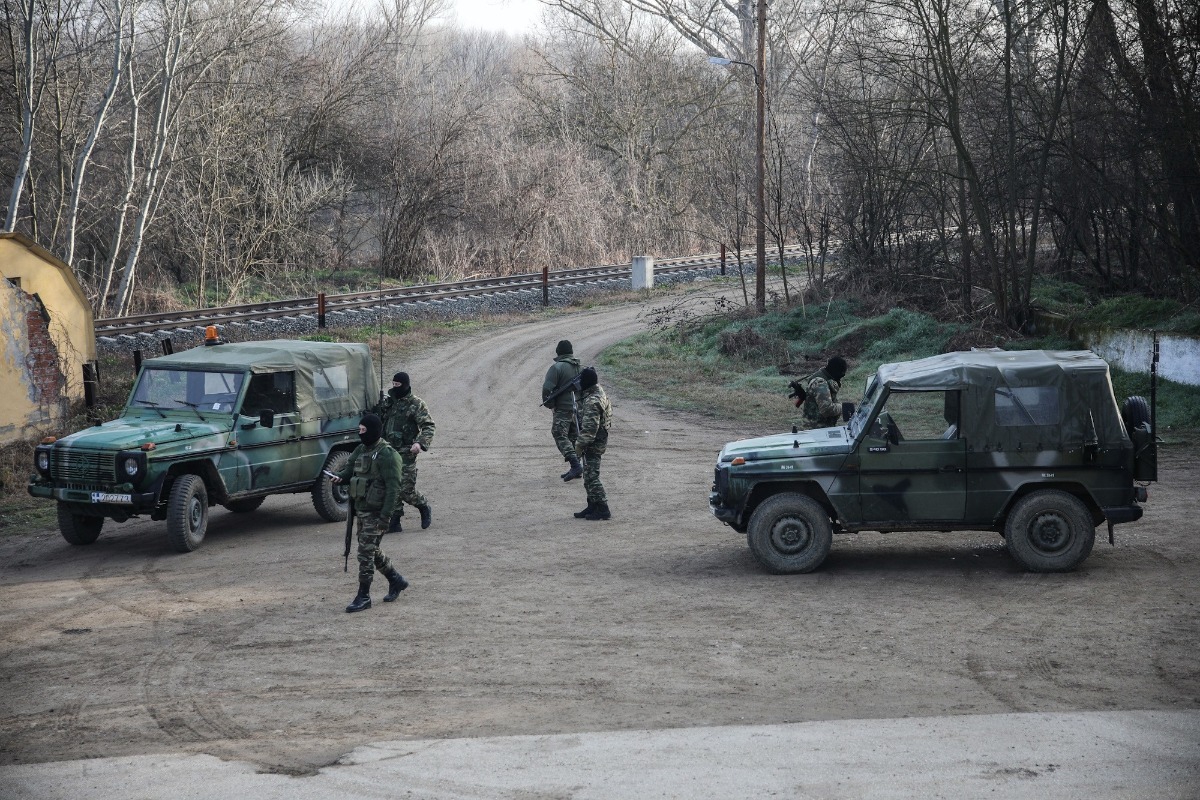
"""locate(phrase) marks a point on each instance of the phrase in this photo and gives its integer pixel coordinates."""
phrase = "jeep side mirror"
(266, 417)
(847, 411)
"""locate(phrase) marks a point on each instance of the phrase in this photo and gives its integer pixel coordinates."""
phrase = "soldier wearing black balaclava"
(408, 427)
(820, 404)
(373, 474)
(595, 419)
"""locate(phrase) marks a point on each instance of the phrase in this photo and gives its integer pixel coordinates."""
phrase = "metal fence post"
(546, 285)
(321, 310)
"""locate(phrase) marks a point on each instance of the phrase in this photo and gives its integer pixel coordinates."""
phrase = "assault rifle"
(349, 534)
(571, 386)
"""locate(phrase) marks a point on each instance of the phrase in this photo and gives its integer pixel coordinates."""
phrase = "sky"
(510, 16)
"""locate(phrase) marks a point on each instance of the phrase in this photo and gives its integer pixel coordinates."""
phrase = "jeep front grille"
(82, 466)
(721, 482)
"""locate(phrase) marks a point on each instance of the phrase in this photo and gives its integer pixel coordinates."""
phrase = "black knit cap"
(374, 426)
(564, 348)
(588, 378)
(836, 368)
(400, 377)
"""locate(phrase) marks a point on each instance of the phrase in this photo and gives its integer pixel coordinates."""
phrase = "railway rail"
(393, 296)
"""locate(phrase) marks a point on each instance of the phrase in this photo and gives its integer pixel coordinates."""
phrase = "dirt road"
(521, 619)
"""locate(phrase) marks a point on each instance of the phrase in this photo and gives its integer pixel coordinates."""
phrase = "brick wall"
(42, 361)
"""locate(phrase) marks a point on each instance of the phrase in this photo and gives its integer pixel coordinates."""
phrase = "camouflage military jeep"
(1028, 444)
(228, 424)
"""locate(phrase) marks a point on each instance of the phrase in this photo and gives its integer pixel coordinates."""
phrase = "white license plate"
(103, 497)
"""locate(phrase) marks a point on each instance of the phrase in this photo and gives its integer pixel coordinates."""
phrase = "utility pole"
(760, 240)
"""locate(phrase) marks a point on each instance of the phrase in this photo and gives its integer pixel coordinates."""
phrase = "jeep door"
(912, 462)
(267, 457)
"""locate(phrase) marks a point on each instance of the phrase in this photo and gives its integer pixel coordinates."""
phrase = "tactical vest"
(367, 486)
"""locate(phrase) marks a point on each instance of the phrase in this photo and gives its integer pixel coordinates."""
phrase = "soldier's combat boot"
(394, 525)
(586, 511)
(426, 516)
(396, 585)
(599, 511)
(362, 600)
(575, 471)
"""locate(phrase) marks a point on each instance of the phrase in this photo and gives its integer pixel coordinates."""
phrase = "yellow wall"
(22, 412)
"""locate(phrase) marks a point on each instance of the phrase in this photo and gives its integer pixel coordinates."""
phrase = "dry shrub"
(748, 344)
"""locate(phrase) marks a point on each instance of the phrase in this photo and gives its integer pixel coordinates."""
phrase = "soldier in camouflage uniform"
(595, 417)
(373, 472)
(408, 427)
(564, 429)
(821, 408)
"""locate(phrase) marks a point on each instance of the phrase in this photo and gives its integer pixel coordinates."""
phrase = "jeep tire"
(187, 513)
(78, 528)
(332, 501)
(1134, 411)
(1049, 531)
(790, 533)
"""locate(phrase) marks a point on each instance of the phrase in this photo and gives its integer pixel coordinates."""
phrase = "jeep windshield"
(187, 390)
(863, 413)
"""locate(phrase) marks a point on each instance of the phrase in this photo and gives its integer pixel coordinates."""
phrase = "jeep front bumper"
(727, 515)
(100, 499)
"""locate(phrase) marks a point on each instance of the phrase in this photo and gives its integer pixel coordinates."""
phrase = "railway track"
(278, 309)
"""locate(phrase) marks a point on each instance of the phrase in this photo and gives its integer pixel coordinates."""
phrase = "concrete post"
(643, 272)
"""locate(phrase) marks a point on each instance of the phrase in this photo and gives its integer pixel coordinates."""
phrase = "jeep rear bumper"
(1118, 514)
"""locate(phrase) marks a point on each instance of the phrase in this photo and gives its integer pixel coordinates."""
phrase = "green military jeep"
(227, 424)
(1029, 444)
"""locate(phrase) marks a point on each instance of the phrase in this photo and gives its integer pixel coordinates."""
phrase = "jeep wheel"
(332, 500)
(77, 528)
(1049, 531)
(244, 506)
(187, 513)
(790, 533)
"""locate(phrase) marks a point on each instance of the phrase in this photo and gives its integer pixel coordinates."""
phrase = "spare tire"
(1134, 411)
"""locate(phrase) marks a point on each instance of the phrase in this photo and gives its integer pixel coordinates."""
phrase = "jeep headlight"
(41, 460)
(130, 467)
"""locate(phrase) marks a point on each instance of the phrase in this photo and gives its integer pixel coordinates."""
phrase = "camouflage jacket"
(595, 417)
(406, 420)
(373, 475)
(561, 372)
(821, 408)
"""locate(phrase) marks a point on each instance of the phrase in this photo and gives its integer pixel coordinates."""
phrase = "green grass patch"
(736, 367)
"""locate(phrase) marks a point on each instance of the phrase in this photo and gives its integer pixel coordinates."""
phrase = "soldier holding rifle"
(558, 394)
(373, 472)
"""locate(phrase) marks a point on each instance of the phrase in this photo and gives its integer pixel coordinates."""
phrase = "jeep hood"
(120, 434)
(819, 442)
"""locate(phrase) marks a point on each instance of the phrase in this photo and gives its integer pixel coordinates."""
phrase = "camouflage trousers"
(564, 431)
(370, 557)
(408, 484)
(591, 476)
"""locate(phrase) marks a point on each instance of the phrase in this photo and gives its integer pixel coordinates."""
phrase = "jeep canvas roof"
(333, 379)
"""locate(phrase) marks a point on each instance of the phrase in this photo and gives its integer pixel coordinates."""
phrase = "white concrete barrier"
(643, 272)
(1131, 351)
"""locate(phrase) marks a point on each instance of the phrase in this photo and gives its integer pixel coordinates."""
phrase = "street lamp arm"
(725, 62)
